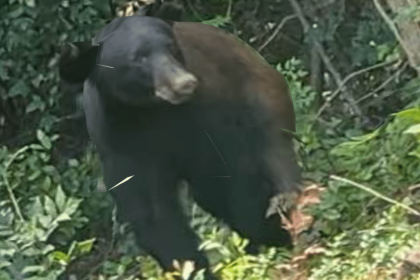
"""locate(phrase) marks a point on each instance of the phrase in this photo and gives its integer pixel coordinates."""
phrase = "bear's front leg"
(149, 202)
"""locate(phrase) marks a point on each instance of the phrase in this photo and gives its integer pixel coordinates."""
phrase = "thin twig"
(229, 9)
(375, 193)
(276, 31)
(328, 64)
(193, 10)
(346, 79)
(389, 21)
(414, 187)
(384, 84)
(6, 181)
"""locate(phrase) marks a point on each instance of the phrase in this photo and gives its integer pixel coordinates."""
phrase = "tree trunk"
(409, 32)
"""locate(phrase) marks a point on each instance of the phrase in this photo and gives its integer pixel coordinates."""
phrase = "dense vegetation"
(355, 87)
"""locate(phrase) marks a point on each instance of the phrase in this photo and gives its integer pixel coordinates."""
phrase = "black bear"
(168, 101)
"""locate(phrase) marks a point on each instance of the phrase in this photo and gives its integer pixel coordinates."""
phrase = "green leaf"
(49, 169)
(4, 263)
(30, 3)
(72, 248)
(16, 13)
(36, 147)
(60, 199)
(42, 137)
(7, 250)
(36, 104)
(71, 205)
(218, 21)
(412, 114)
(33, 268)
(36, 207)
(365, 138)
(45, 221)
(60, 256)
(47, 249)
(73, 162)
(46, 184)
(85, 246)
(19, 88)
(62, 217)
(34, 175)
(49, 207)
(415, 129)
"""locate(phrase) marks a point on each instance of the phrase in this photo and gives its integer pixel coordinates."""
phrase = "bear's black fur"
(169, 101)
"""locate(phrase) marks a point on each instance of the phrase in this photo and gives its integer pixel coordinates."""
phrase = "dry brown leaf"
(410, 264)
(299, 221)
(296, 269)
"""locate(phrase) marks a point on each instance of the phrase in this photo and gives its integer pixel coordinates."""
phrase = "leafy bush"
(37, 217)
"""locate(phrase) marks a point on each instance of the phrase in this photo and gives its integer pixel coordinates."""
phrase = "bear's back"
(229, 69)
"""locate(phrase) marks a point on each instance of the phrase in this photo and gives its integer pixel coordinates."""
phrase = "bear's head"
(134, 60)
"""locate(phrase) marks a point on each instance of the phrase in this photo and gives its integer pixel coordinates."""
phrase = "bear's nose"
(185, 84)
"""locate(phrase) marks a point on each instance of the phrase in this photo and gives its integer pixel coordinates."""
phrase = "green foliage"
(364, 238)
(384, 158)
(218, 21)
(226, 251)
(304, 97)
(37, 216)
(32, 33)
(374, 250)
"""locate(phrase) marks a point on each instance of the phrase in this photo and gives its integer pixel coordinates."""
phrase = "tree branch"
(328, 64)
(276, 31)
(346, 79)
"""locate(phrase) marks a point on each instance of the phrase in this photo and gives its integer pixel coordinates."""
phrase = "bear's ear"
(76, 60)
